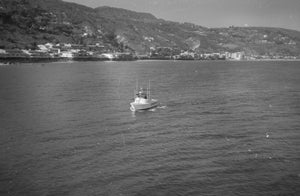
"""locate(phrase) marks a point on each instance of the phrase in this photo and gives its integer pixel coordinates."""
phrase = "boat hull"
(143, 106)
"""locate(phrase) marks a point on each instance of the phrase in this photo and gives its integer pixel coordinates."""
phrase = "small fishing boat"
(142, 100)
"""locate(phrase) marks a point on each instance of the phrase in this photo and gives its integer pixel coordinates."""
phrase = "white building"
(67, 54)
(235, 55)
(109, 55)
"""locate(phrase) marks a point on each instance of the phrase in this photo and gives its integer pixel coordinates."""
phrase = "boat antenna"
(136, 87)
(149, 90)
(119, 88)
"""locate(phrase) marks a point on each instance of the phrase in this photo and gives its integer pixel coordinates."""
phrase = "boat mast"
(136, 88)
(149, 90)
(119, 88)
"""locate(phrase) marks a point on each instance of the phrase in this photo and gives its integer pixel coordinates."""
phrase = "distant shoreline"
(62, 60)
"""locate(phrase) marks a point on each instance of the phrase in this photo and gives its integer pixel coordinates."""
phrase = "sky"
(214, 13)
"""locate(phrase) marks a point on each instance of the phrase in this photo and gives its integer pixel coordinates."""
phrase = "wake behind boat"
(142, 100)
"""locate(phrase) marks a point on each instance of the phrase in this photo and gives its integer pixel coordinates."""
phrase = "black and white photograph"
(149, 97)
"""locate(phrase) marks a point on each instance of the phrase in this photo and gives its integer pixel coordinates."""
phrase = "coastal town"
(97, 52)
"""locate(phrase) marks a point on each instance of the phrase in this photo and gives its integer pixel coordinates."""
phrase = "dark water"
(222, 128)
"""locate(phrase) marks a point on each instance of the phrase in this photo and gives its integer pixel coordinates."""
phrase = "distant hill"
(26, 23)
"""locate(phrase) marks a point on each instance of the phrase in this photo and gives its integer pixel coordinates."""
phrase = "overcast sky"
(214, 13)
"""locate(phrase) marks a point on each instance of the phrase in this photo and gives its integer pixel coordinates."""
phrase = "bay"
(222, 128)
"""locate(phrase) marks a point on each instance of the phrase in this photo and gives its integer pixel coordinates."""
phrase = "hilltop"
(26, 23)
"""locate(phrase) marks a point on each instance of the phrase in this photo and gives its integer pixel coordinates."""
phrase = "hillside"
(29, 22)
(26, 23)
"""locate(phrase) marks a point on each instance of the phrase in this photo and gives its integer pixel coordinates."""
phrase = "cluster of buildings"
(98, 52)
(176, 54)
(53, 52)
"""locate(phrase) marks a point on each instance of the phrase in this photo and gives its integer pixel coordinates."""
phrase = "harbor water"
(221, 128)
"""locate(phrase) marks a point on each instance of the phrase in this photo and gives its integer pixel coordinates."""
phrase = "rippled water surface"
(222, 128)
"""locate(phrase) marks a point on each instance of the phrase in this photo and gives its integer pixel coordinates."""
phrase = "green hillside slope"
(26, 23)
